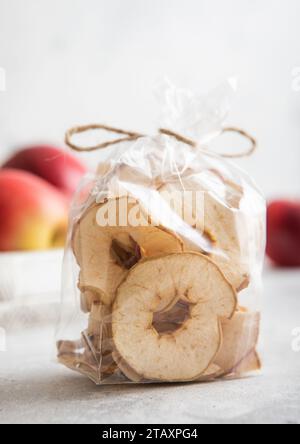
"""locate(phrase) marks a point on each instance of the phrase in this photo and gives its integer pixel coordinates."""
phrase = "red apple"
(56, 166)
(283, 227)
(33, 214)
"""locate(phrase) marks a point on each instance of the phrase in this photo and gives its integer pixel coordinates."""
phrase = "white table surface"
(34, 389)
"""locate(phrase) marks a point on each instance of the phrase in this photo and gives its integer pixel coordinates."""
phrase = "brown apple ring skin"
(152, 285)
(100, 271)
(219, 227)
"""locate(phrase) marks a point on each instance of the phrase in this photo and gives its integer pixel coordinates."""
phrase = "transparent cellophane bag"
(162, 272)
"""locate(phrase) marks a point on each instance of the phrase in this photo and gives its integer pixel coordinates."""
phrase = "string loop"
(92, 127)
(130, 136)
(252, 148)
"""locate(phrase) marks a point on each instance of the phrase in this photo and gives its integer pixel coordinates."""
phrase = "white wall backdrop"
(76, 61)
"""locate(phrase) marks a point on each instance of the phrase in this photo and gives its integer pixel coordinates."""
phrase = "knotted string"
(131, 136)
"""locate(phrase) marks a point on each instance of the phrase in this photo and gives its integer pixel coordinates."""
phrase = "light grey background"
(77, 61)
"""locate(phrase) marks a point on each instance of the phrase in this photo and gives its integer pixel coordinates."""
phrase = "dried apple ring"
(98, 339)
(249, 364)
(240, 337)
(218, 224)
(155, 284)
(105, 254)
(92, 355)
(87, 299)
(125, 369)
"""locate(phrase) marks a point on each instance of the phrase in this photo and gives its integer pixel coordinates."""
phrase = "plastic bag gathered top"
(162, 274)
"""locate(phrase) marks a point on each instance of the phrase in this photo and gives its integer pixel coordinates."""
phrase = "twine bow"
(131, 136)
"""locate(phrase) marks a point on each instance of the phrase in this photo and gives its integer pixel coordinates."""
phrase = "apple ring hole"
(171, 320)
(126, 256)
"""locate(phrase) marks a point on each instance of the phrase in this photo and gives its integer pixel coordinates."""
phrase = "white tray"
(29, 283)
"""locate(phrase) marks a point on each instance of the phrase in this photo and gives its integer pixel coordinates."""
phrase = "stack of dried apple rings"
(160, 307)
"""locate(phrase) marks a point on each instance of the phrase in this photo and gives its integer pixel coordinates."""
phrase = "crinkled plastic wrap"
(162, 273)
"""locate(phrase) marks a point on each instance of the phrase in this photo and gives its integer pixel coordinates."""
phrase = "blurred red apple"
(283, 226)
(33, 213)
(56, 166)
